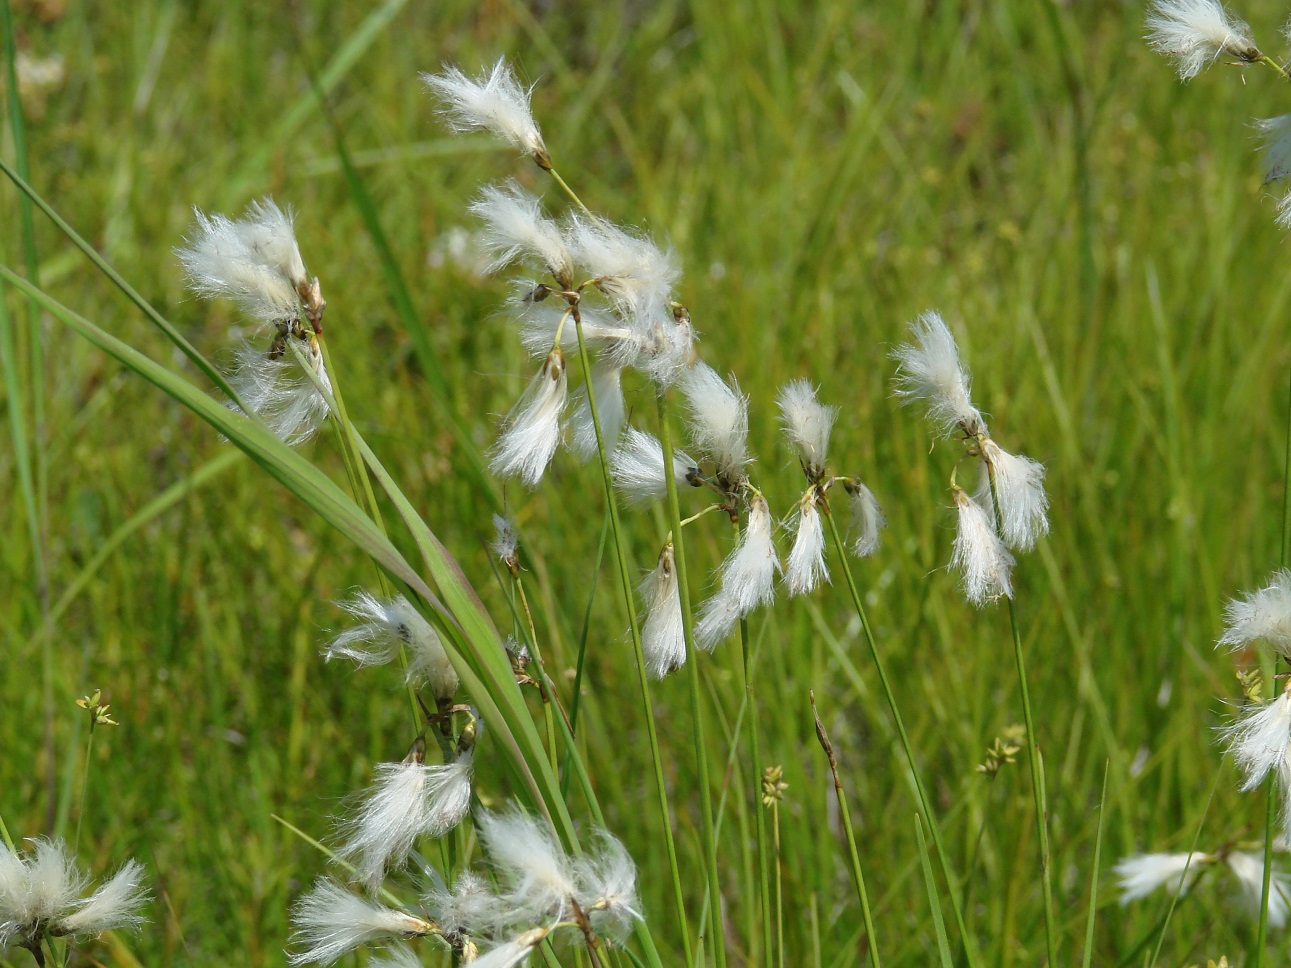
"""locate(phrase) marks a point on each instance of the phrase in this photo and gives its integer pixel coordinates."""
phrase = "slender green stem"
(85, 784)
(755, 752)
(547, 692)
(779, 883)
(634, 626)
(696, 691)
(1034, 759)
(1270, 805)
(925, 804)
(571, 193)
(858, 877)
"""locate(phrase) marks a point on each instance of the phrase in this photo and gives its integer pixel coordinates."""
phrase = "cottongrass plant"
(541, 890)
(1196, 34)
(43, 897)
(1009, 511)
(1140, 875)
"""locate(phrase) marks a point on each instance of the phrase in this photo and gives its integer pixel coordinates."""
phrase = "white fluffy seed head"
(279, 391)
(113, 906)
(1263, 614)
(531, 432)
(1141, 874)
(606, 881)
(331, 921)
(1259, 741)
(506, 540)
(253, 260)
(529, 860)
(493, 102)
(516, 228)
(984, 562)
(539, 322)
(607, 385)
(637, 468)
(1248, 869)
(867, 519)
(805, 567)
(631, 270)
(510, 954)
(807, 424)
(406, 801)
(1019, 484)
(663, 636)
(747, 578)
(1196, 33)
(385, 626)
(929, 372)
(719, 421)
(469, 909)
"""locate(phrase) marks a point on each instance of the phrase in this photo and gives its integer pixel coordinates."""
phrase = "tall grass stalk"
(925, 804)
(760, 824)
(1035, 759)
(692, 674)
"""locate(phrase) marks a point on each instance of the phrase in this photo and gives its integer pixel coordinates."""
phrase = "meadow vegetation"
(1096, 234)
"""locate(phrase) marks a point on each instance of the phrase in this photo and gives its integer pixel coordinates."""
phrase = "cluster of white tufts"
(387, 626)
(540, 889)
(256, 262)
(1196, 33)
(43, 893)
(1142, 874)
(1009, 509)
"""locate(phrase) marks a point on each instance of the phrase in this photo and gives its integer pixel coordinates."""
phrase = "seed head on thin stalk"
(746, 578)
(1019, 488)
(386, 626)
(719, 423)
(531, 432)
(1196, 33)
(1260, 741)
(929, 372)
(1262, 614)
(516, 228)
(331, 921)
(406, 801)
(663, 637)
(506, 543)
(1141, 874)
(981, 557)
(607, 386)
(637, 468)
(274, 386)
(866, 519)
(807, 425)
(805, 567)
(493, 102)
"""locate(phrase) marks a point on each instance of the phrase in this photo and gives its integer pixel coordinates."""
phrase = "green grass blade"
(1088, 957)
(934, 903)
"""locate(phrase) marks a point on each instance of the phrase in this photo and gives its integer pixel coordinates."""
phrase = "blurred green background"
(1096, 233)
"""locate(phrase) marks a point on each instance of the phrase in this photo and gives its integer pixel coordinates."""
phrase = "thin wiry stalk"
(764, 894)
(692, 668)
(858, 877)
(545, 687)
(1034, 760)
(943, 859)
(634, 626)
(779, 880)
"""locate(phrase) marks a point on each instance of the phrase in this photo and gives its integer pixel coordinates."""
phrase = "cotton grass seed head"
(254, 261)
(386, 626)
(807, 424)
(663, 636)
(606, 879)
(607, 387)
(1275, 135)
(1196, 33)
(634, 273)
(1259, 739)
(529, 860)
(866, 519)
(469, 909)
(43, 892)
(516, 228)
(275, 387)
(531, 432)
(1248, 869)
(493, 102)
(331, 921)
(1019, 486)
(719, 421)
(983, 561)
(1141, 874)
(637, 468)
(746, 578)
(406, 801)
(805, 567)
(1263, 614)
(929, 372)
